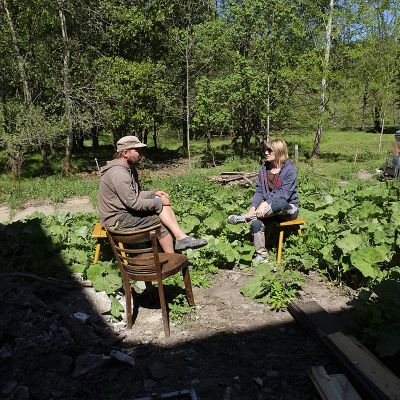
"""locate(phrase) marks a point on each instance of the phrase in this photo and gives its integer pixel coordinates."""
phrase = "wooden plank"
(332, 387)
(380, 377)
(344, 387)
(314, 318)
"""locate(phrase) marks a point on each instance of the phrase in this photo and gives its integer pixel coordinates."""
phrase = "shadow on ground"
(48, 350)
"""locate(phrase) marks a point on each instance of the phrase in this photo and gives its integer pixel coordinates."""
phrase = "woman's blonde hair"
(279, 147)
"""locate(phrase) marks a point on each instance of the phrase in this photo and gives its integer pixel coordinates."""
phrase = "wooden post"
(296, 154)
(356, 155)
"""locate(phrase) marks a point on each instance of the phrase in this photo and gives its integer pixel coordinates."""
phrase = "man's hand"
(164, 197)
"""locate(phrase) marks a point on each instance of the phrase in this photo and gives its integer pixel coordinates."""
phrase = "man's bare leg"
(167, 244)
(168, 218)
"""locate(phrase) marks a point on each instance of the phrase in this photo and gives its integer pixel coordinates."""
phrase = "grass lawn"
(337, 161)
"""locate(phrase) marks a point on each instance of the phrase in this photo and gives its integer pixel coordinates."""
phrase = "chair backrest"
(136, 251)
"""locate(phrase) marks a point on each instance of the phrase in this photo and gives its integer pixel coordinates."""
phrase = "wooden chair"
(147, 264)
(294, 223)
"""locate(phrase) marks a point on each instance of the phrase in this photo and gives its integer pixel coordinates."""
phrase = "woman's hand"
(251, 214)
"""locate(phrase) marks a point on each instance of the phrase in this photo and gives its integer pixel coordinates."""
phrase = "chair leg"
(188, 286)
(280, 243)
(163, 308)
(97, 252)
(128, 299)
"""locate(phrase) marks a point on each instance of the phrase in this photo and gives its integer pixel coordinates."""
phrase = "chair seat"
(170, 265)
(297, 221)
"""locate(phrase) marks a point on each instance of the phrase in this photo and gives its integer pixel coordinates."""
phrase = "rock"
(120, 356)
(100, 300)
(158, 371)
(88, 361)
(259, 381)
(21, 393)
(148, 384)
(81, 316)
(6, 351)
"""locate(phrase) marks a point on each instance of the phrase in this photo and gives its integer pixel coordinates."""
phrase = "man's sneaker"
(189, 243)
(236, 219)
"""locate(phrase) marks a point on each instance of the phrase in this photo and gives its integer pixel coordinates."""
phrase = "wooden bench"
(282, 226)
(98, 233)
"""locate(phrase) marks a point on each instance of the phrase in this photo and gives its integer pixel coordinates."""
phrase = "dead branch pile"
(244, 179)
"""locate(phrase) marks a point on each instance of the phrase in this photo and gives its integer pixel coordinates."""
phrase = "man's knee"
(256, 226)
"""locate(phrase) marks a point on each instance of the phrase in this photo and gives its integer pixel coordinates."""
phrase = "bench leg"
(280, 243)
(97, 253)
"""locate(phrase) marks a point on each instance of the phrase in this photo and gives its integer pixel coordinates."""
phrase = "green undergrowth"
(55, 189)
(273, 286)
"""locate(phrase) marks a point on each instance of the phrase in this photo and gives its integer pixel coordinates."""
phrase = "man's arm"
(131, 197)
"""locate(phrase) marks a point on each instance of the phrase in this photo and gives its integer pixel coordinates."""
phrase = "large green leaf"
(366, 260)
(104, 277)
(190, 223)
(214, 222)
(349, 243)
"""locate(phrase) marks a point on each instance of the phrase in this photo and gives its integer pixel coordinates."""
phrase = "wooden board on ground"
(363, 362)
(332, 387)
(314, 318)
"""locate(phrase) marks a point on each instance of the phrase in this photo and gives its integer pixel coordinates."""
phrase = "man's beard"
(132, 163)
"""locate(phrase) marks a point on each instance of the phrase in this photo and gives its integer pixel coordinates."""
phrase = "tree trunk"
(4, 101)
(364, 108)
(20, 61)
(66, 92)
(377, 118)
(187, 99)
(155, 132)
(325, 70)
(95, 137)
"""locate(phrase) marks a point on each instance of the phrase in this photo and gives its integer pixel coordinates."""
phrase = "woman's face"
(270, 155)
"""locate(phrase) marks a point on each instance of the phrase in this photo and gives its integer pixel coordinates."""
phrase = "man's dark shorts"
(133, 222)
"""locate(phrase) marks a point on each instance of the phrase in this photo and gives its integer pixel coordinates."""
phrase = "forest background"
(197, 69)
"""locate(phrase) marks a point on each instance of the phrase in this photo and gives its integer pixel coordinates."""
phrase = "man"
(123, 206)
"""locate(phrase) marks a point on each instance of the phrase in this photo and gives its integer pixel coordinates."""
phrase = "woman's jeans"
(281, 210)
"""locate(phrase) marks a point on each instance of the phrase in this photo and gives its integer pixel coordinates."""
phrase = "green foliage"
(352, 232)
(377, 317)
(179, 309)
(275, 287)
(104, 276)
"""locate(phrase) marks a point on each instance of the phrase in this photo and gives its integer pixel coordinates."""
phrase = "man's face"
(133, 156)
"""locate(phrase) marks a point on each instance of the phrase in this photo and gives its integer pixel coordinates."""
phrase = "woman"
(275, 195)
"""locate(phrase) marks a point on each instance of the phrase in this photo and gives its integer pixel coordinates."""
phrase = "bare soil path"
(229, 346)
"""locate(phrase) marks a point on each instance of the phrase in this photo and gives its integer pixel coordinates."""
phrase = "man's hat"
(129, 142)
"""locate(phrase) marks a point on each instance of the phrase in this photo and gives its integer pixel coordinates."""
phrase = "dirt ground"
(230, 348)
